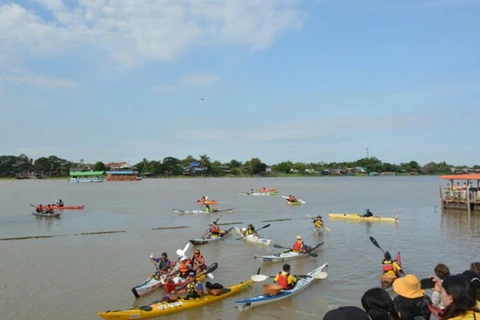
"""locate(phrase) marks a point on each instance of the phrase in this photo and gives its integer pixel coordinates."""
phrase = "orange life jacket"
(197, 262)
(184, 267)
(215, 230)
(283, 280)
(298, 246)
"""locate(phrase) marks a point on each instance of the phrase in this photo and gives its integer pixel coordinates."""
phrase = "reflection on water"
(457, 222)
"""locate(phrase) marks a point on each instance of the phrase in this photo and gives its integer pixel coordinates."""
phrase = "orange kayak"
(69, 207)
(207, 202)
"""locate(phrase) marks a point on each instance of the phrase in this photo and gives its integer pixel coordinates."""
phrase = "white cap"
(183, 258)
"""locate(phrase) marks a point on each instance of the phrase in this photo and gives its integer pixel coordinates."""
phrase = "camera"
(427, 283)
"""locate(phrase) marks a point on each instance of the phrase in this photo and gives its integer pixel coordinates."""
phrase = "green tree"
(284, 167)
(99, 166)
(205, 163)
(172, 166)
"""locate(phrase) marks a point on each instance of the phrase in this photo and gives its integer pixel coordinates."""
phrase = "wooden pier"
(464, 197)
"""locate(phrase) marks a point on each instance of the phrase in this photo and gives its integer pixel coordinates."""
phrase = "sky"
(280, 80)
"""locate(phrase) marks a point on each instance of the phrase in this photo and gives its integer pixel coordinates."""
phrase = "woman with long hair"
(378, 304)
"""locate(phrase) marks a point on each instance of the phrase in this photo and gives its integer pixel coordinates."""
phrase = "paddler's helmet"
(387, 256)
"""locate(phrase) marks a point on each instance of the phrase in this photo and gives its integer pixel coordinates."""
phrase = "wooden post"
(467, 190)
(441, 196)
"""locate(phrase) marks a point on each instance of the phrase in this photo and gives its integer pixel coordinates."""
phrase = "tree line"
(11, 166)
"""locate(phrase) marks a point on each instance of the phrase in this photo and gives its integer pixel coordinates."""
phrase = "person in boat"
(299, 246)
(198, 261)
(215, 230)
(368, 213)
(250, 230)
(203, 200)
(194, 288)
(285, 279)
(59, 203)
(318, 222)
(39, 208)
(390, 266)
(291, 198)
(49, 209)
(164, 264)
(184, 267)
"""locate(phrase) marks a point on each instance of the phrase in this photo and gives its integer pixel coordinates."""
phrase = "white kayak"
(55, 214)
(302, 283)
(210, 239)
(289, 255)
(182, 212)
(153, 282)
(253, 238)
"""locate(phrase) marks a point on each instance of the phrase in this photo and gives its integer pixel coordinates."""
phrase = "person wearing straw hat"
(411, 300)
(299, 246)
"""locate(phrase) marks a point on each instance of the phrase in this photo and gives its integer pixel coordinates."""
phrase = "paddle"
(265, 226)
(375, 243)
(317, 275)
(326, 228)
(313, 254)
(153, 261)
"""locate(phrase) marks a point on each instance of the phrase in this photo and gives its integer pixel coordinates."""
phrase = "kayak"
(211, 239)
(259, 300)
(293, 203)
(173, 285)
(207, 202)
(386, 280)
(283, 256)
(69, 207)
(318, 230)
(253, 238)
(358, 217)
(181, 212)
(56, 214)
(160, 308)
(267, 190)
(272, 193)
(149, 285)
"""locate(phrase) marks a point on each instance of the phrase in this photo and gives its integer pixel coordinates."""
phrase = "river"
(74, 275)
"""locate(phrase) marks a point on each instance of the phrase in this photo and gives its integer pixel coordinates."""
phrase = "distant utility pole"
(367, 152)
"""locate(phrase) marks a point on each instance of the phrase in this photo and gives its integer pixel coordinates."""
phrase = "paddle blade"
(320, 275)
(211, 268)
(275, 245)
(210, 276)
(375, 243)
(313, 254)
(179, 252)
(328, 229)
(259, 277)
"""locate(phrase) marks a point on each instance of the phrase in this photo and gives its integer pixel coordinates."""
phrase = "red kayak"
(68, 207)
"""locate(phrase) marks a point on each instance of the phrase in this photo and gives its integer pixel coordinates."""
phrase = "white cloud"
(135, 31)
(21, 77)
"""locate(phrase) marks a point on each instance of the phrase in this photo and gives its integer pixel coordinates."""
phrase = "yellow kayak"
(359, 217)
(160, 308)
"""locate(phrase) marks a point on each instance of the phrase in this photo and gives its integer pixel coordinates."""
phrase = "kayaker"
(39, 208)
(291, 198)
(250, 230)
(215, 230)
(59, 203)
(299, 246)
(368, 213)
(49, 209)
(184, 266)
(285, 279)
(194, 288)
(318, 222)
(391, 267)
(198, 261)
(164, 265)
